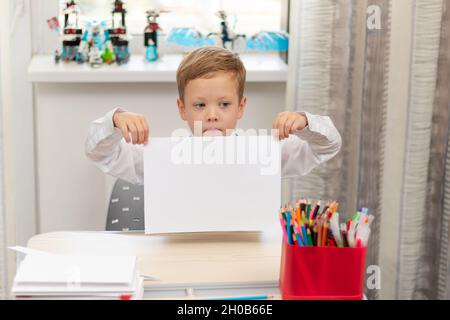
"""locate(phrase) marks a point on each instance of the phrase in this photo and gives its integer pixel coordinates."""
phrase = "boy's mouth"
(212, 132)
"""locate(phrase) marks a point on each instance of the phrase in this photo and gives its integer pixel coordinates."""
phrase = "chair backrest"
(126, 207)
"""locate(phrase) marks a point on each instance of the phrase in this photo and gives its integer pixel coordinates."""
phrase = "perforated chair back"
(126, 207)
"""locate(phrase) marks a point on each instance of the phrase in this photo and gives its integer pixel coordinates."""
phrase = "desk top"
(196, 258)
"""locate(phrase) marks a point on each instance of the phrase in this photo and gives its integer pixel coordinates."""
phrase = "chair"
(126, 207)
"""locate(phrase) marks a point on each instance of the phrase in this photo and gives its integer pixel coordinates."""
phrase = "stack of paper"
(51, 276)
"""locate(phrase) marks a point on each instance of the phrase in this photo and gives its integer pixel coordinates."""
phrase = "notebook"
(52, 275)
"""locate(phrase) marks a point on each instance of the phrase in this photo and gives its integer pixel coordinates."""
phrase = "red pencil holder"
(322, 273)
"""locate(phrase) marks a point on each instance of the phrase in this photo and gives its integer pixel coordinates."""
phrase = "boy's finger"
(278, 120)
(278, 126)
(132, 128)
(125, 132)
(275, 133)
(282, 128)
(275, 122)
(140, 132)
(288, 126)
(146, 130)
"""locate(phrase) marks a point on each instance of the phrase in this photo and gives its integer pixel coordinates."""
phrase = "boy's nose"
(212, 115)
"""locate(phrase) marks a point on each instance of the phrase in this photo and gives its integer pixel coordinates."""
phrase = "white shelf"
(42, 69)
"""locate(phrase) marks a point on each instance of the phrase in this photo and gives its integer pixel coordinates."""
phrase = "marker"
(319, 234)
(304, 234)
(314, 235)
(310, 242)
(298, 233)
(308, 208)
(283, 227)
(325, 234)
(299, 239)
(288, 227)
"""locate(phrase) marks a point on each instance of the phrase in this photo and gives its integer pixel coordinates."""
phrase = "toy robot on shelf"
(118, 33)
(227, 38)
(71, 36)
(151, 36)
(96, 45)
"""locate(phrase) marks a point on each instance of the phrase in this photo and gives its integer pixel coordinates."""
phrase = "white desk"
(186, 265)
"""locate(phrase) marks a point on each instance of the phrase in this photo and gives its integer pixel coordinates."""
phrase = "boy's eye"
(224, 104)
(199, 105)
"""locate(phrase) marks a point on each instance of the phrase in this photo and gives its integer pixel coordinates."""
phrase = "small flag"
(53, 24)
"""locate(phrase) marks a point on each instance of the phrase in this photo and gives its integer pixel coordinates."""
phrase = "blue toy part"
(97, 34)
(68, 53)
(268, 41)
(189, 37)
(106, 35)
(122, 54)
(98, 41)
(151, 53)
(85, 37)
(80, 58)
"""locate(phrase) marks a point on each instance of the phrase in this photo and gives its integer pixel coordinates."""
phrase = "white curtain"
(423, 271)
(341, 71)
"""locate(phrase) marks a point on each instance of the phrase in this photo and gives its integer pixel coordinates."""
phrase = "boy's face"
(213, 102)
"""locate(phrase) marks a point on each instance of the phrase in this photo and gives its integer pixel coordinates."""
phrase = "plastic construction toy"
(189, 37)
(227, 37)
(95, 43)
(268, 41)
(71, 36)
(95, 46)
(262, 41)
(151, 35)
(118, 33)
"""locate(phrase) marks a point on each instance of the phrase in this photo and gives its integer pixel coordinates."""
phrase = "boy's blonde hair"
(203, 62)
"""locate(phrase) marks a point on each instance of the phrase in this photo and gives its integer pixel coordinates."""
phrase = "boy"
(211, 83)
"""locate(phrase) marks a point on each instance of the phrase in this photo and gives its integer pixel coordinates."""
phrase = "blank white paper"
(195, 191)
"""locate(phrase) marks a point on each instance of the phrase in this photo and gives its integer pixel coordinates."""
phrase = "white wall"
(72, 192)
(17, 126)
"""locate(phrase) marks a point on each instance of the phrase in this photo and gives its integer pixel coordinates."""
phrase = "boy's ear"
(242, 106)
(181, 109)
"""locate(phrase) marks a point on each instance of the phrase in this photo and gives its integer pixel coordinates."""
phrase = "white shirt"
(304, 150)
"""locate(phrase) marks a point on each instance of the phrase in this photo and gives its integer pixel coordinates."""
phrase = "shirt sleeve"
(306, 149)
(108, 150)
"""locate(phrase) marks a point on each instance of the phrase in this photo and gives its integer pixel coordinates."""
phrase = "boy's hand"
(289, 122)
(134, 124)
